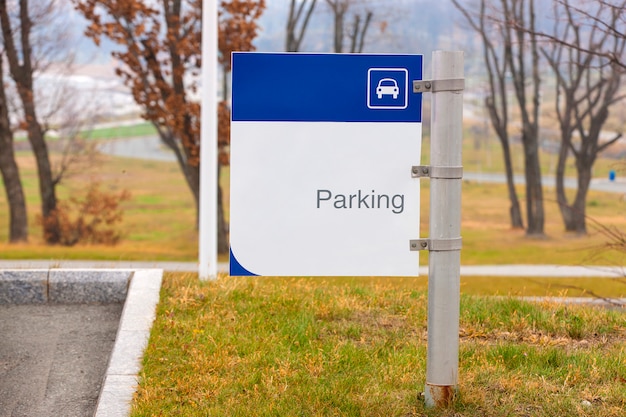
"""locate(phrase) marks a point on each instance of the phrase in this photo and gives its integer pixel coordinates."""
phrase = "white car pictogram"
(389, 87)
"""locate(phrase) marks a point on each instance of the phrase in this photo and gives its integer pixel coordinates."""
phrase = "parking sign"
(322, 147)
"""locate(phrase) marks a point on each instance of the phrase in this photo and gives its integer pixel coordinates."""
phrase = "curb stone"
(76, 286)
(121, 377)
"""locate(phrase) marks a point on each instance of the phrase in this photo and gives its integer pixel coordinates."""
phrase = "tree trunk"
(534, 192)
(575, 215)
(574, 218)
(338, 9)
(21, 69)
(47, 190)
(561, 196)
(522, 81)
(18, 219)
(192, 175)
(223, 244)
(515, 210)
(338, 33)
(44, 172)
(579, 221)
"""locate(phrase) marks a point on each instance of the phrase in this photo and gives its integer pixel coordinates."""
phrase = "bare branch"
(597, 22)
(294, 36)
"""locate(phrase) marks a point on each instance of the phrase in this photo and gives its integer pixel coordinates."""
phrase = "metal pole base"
(439, 395)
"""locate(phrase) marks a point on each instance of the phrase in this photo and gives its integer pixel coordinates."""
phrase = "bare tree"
(18, 219)
(19, 50)
(297, 22)
(588, 84)
(517, 53)
(524, 71)
(356, 32)
(497, 68)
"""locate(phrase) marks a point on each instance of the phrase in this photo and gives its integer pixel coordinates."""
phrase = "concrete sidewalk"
(53, 357)
(72, 339)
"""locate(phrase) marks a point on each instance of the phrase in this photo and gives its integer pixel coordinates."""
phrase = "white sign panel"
(321, 153)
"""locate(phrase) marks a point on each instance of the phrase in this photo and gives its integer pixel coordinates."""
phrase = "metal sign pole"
(207, 212)
(445, 226)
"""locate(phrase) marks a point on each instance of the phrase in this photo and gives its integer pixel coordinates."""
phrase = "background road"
(555, 271)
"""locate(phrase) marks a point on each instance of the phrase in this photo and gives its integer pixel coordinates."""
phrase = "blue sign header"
(295, 87)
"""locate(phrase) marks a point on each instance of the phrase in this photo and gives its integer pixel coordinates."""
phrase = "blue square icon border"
(392, 88)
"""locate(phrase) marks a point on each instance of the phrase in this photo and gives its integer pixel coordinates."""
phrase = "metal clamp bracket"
(435, 86)
(440, 245)
(427, 171)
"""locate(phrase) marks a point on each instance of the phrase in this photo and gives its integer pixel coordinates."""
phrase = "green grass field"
(319, 347)
(125, 131)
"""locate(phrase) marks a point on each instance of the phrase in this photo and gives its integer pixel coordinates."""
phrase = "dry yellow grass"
(159, 219)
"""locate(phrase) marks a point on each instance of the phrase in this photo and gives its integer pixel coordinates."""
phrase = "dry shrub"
(93, 219)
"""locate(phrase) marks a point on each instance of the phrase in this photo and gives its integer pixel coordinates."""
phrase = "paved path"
(468, 270)
(142, 147)
(69, 346)
(53, 357)
(599, 184)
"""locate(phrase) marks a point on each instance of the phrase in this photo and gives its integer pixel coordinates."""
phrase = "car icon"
(387, 87)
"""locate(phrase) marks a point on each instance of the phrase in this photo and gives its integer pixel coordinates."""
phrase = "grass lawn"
(317, 347)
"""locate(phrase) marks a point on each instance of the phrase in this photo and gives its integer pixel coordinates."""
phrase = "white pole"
(207, 245)
(445, 223)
